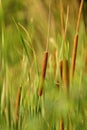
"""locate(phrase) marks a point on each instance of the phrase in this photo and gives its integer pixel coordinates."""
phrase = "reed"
(75, 45)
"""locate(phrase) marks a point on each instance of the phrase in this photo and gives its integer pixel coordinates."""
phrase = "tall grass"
(40, 103)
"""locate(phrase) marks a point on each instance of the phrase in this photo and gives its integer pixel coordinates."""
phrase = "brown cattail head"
(17, 105)
(40, 91)
(44, 66)
(61, 124)
(74, 55)
(43, 73)
(65, 75)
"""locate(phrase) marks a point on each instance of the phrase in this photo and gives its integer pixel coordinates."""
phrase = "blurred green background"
(33, 15)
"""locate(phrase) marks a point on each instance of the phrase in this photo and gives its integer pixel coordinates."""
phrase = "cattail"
(17, 106)
(76, 41)
(43, 73)
(65, 74)
(74, 55)
(61, 124)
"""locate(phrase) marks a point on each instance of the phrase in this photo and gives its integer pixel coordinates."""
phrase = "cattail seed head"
(65, 75)
(61, 124)
(40, 91)
(74, 55)
(43, 73)
(44, 66)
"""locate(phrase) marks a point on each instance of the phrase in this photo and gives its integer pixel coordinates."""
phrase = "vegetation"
(43, 65)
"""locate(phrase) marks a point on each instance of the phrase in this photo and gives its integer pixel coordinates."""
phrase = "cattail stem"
(43, 73)
(17, 107)
(66, 25)
(79, 16)
(62, 18)
(48, 30)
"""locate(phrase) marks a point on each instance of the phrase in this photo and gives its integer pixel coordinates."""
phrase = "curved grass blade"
(22, 40)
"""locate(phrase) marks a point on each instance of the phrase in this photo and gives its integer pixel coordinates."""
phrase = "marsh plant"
(42, 78)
